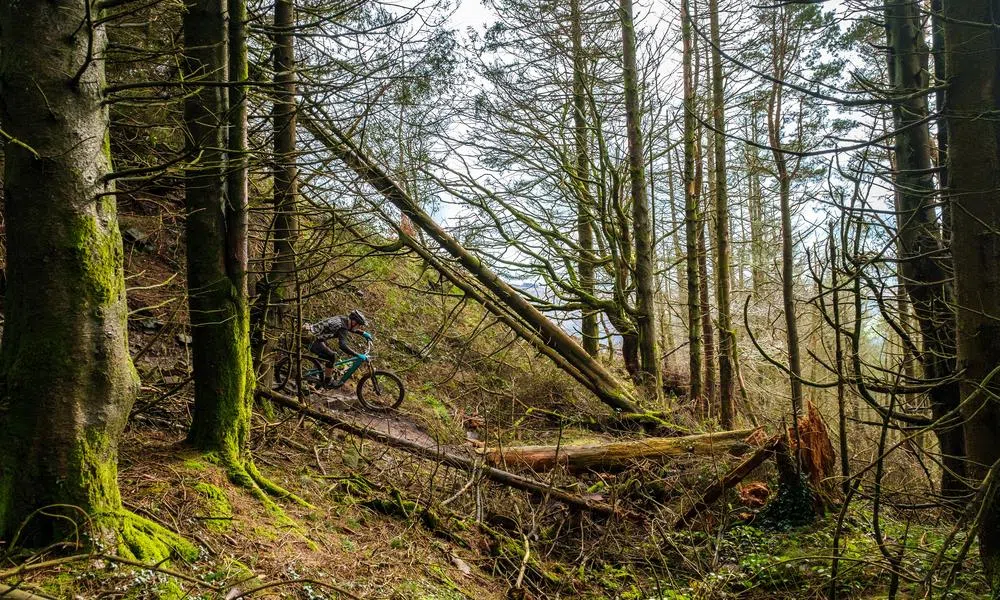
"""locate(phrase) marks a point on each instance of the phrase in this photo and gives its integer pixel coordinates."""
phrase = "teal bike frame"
(355, 363)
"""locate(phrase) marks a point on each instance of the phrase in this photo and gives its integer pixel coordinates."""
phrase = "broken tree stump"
(617, 455)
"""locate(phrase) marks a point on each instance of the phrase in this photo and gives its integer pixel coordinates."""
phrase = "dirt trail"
(344, 406)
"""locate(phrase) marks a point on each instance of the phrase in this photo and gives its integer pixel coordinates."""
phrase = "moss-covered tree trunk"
(223, 378)
(972, 39)
(237, 184)
(68, 381)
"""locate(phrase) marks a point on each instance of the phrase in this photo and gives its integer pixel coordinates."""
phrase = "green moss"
(143, 540)
(195, 464)
(98, 253)
(60, 583)
(171, 590)
(224, 397)
(220, 512)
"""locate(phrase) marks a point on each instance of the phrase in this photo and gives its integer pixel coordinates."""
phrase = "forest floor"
(368, 535)
(384, 524)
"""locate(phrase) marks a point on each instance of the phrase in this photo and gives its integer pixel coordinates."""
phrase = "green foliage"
(792, 507)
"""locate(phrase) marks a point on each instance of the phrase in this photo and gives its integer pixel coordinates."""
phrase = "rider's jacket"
(332, 327)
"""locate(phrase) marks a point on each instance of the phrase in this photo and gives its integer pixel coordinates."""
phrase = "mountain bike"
(377, 390)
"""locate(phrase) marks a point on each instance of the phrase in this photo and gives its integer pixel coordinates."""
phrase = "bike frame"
(355, 362)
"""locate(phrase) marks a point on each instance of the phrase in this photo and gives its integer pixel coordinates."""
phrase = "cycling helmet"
(358, 318)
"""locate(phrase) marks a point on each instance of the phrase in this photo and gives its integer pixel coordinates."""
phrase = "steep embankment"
(385, 523)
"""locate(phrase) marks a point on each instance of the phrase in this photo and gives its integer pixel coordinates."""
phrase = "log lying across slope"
(585, 369)
(616, 455)
(439, 454)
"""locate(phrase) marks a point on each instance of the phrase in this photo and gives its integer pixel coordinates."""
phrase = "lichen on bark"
(68, 382)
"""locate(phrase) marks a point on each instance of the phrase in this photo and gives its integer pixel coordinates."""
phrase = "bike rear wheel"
(284, 376)
(381, 391)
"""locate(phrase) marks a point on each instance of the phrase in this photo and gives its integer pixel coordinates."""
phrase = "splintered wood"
(814, 450)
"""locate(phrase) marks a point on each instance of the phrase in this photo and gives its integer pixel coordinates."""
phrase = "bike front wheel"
(381, 391)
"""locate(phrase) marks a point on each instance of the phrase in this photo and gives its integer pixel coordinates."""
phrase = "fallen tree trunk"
(616, 455)
(597, 378)
(447, 458)
(736, 475)
(12, 593)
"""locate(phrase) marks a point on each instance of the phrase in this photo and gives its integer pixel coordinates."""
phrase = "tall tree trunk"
(920, 246)
(641, 226)
(774, 116)
(691, 216)
(223, 375)
(708, 333)
(271, 304)
(585, 201)
(722, 283)
(67, 379)
(237, 183)
(940, 100)
(845, 466)
(972, 36)
(677, 222)
(755, 210)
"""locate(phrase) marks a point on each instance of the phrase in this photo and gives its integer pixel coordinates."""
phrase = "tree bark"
(845, 467)
(755, 208)
(722, 282)
(618, 455)
(774, 117)
(920, 248)
(940, 101)
(707, 329)
(270, 306)
(691, 216)
(971, 37)
(67, 380)
(585, 201)
(223, 374)
(645, 309)
(237, 183)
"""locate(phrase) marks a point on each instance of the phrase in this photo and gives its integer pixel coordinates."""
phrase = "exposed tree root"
(143, 540)
(244, 473)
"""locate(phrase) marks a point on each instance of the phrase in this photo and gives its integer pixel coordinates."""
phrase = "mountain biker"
(334, 327)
